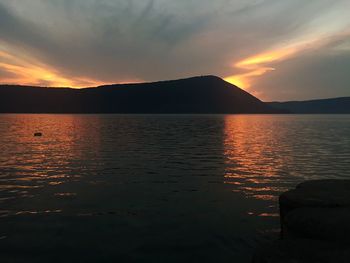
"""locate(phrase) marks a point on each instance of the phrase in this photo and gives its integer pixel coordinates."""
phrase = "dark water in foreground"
(118, 188)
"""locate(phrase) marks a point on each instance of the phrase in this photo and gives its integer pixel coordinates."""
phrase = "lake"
(156, 188)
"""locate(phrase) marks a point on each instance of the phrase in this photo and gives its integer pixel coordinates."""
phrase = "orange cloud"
(28, 71)
(258, 65)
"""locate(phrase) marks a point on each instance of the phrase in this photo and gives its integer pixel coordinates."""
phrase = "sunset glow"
(258, 65)
(158, 130)
(263, 63)
(92, 43)
(24, 70)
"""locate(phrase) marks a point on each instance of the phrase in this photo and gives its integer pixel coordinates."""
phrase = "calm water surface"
(147, 188)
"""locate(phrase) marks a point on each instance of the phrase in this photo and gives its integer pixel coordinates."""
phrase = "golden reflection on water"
(32, 163)
(252, 165)
(257, 156)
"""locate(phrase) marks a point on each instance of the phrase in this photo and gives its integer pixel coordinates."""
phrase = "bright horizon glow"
(259, 46)
(30, 72)
(258, 65)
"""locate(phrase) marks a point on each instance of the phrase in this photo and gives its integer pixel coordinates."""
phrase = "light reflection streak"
(33, 166)
(252, 165)
(38, 212)
(65, 194)
(269, 215)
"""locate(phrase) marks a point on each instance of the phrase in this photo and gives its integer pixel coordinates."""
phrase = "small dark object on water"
(38, 134)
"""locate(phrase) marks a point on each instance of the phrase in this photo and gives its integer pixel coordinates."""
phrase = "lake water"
(156, 188)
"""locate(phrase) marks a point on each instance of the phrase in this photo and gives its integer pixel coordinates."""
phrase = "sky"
(274, 49)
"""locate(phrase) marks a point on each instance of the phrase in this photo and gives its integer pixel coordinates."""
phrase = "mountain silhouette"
(323, 106)
(206, 94)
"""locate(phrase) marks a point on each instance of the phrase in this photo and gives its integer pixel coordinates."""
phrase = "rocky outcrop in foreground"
(315, 225)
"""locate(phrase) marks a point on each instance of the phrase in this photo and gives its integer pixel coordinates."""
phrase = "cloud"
(319, 73)
(20, 70)
(266, 62)
(81, 42)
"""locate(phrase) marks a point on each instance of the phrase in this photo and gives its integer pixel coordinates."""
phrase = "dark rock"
(38, 134)
(319, 193)
(315, 225)
(328, 224)
(302, 251)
